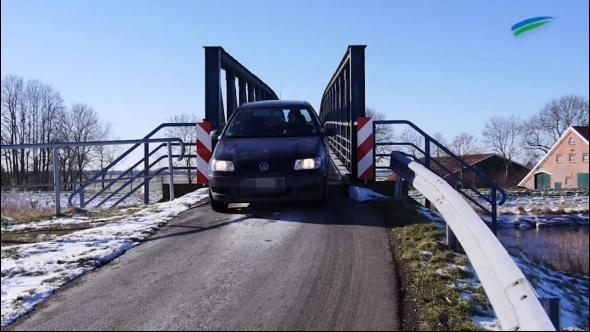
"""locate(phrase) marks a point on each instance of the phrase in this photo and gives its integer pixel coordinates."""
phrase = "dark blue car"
(269, 151)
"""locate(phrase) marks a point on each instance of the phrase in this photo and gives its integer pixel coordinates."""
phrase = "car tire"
(216, 205)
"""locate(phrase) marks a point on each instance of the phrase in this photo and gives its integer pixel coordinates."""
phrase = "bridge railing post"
(56, 180)
(427, 163)
(494, 210)
(212, 85)
(171, 172)
(146, 172)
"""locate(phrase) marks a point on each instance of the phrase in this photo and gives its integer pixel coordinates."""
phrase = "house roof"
(471, 159)
(581, 131)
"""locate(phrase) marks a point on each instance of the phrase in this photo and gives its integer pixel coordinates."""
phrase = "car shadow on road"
(339, 210)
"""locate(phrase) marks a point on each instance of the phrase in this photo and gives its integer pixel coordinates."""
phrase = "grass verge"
(435, 282)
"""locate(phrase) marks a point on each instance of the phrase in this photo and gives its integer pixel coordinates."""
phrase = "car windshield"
(272, 122)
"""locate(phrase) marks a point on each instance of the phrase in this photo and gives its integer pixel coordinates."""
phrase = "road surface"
(290, 267)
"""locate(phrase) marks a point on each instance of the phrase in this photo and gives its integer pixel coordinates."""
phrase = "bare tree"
(106, 154)
(383, 133)
(414, 141)
(187, 135)
(500, 136)
(542, 130)
(435, 150)
(28, 116)
(80, 123)
(464, 144)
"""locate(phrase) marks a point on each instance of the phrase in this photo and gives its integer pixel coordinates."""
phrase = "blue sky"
(446, 65)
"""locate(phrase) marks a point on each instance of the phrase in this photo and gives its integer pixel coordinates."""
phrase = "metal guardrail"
(342, 103)
(497, 195)
(55, 147)
(512, 297)
(250, 87)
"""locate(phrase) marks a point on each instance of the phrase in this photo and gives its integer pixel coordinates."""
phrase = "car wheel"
(216, 205)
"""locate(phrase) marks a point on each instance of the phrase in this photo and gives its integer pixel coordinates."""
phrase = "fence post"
(170, 170)
(82, 196)
(494, 211)
(56, 184)
(427, 163)
(146, 173)
(452, 241)
(551, 306)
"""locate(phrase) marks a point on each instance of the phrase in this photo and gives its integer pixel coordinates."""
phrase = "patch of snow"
(32, 272)
(572, 290)
(360, 194)
(487, 323)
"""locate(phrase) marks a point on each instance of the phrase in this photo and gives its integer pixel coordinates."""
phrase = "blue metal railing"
(143, 174)
(497, 196)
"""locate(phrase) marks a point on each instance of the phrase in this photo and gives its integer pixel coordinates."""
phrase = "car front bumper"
(244, 189)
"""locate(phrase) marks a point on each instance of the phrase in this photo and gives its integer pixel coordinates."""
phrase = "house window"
(571, 141)
(572, 158)
(585, 158)
(568, 181)
(559, 159)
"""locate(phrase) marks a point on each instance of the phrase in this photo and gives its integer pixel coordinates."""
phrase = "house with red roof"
(565, 166)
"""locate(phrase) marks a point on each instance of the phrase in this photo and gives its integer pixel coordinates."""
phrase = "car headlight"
(308, 163)
(222, 166)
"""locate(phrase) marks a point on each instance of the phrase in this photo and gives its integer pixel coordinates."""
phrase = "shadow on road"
(339, 210)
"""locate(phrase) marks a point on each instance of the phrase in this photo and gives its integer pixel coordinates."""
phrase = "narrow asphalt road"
(288, 267)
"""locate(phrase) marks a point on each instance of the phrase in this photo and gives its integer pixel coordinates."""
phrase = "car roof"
(276, 103)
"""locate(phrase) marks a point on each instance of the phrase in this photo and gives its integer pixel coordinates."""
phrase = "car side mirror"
(214, 134)
(329, 131)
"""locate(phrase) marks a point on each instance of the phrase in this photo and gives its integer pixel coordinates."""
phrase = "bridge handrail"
(122, 177)
(429, 139)
(512, 297)
(477, 192)
(123, 155)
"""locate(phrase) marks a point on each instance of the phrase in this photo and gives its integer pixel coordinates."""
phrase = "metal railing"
(496, 196)
(250, 87)
(511, 295)
(342, 103)
(145, 173)
(55, 147)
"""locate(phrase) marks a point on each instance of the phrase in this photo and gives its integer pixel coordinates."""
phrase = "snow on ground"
(360, 194)
(572, 290)
(32, 272)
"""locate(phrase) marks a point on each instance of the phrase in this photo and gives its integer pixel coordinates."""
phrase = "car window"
(272, 122)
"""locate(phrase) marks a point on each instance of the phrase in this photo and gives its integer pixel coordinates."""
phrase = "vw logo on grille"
(263, 166)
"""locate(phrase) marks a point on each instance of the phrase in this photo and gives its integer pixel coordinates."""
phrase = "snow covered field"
(528, 209)
(31, 272)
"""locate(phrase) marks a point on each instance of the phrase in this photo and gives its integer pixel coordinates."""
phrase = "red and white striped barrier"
(364, 154)
(204, 151)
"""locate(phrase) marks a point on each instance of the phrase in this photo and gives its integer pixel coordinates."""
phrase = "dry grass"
(26, 213)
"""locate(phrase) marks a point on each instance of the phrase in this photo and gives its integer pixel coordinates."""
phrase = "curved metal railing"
(511, 295)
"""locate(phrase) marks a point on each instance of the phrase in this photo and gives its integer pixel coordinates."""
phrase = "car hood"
(276, 148)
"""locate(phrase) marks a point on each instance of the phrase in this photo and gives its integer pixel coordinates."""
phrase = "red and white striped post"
(364, 131)
(204, 151)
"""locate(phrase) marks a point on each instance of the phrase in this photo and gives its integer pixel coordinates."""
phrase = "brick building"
(565, 166)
